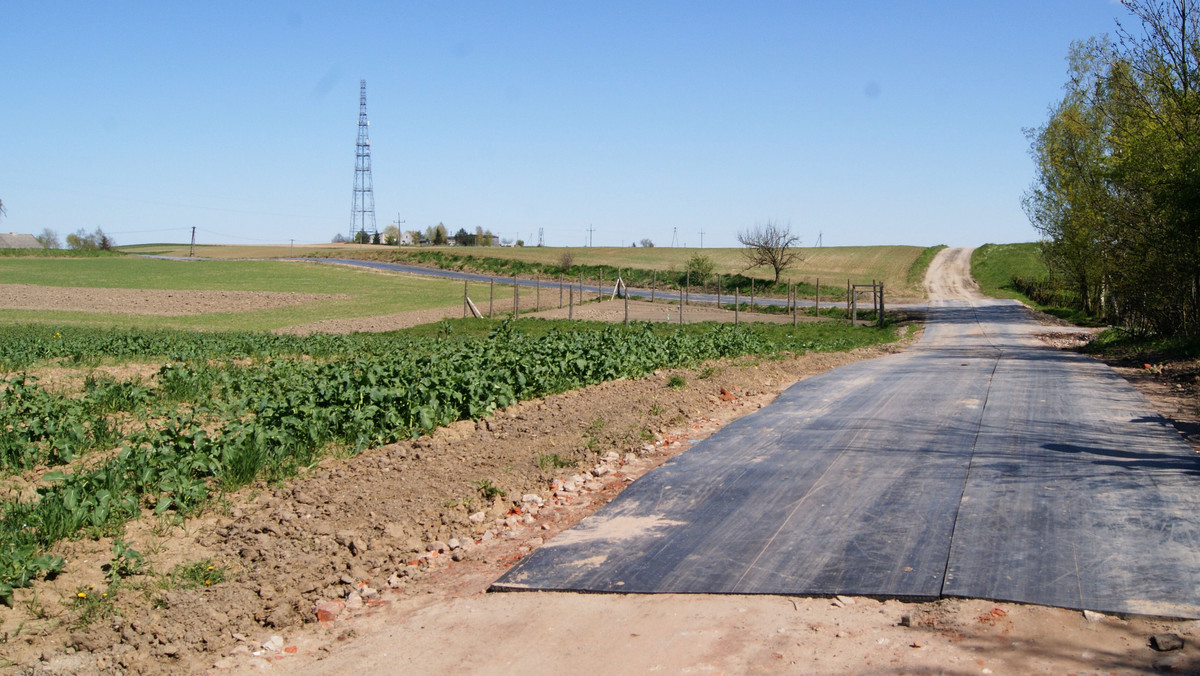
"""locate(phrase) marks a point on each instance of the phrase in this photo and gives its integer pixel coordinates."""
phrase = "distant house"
(16, 240)
(407, 238)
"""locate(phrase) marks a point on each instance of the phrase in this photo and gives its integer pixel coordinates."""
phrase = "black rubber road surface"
(981, 463)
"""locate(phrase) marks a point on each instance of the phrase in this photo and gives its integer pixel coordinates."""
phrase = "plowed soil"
(163, 302)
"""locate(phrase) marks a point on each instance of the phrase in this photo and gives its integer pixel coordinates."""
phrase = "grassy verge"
(999, 269)
(57, 253)
(1125, 347)
(916, 272)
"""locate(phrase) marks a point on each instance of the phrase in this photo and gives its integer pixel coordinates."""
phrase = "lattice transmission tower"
(362, 218)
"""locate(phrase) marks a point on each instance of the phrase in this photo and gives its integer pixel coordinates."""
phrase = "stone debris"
(1093, 616)
(1166, 642)
(477, 517)
(328, 611)
(437, 546)
(273, 644)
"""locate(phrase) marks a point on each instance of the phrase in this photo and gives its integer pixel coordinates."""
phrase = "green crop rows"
(228, 409)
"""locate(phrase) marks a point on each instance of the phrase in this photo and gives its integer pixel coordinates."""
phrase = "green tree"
(391, 235)
(1117, 195)
(699, 268)
(1070, 202)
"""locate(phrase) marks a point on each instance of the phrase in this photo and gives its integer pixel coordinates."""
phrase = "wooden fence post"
(653, 284)
(491, 297)
(537, 302)
(881, 304)
(687, 282)
(560, 291)
(752, 294)
(795, 306)
(465, 299)
(681, 306)
(736, 302)
(817, 306)
(516, 298)
(718, 291)
(571, 302)
(848, 301)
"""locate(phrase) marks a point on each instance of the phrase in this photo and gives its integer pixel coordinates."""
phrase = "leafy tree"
(647, 243)
(1117, 194)
(49, 239)
(699, 268)
(339, 238)
(771, 245)
(81, 240)
(391, 235)
(3, 211)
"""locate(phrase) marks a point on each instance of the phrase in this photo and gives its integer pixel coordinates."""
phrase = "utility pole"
(701, 238)
(291, 246)
(399, 230)
(590, 231)
(192, 249)
(675, 236)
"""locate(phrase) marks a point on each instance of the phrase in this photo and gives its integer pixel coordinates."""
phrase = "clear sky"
(863, 122)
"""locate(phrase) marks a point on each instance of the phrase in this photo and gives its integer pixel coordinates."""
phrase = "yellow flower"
(210, 567)
(104, 595)
(207, 582)
(82, 595)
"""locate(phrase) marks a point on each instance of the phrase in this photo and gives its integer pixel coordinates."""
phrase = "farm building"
(16, 240)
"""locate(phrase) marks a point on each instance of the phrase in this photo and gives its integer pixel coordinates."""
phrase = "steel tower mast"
(362, 217)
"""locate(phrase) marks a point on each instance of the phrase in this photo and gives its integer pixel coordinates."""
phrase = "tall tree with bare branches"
(771, 245)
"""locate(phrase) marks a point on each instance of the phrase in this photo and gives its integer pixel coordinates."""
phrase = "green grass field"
(369, 292)
(994, 265)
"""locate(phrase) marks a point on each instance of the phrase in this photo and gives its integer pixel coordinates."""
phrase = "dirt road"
(949, 276)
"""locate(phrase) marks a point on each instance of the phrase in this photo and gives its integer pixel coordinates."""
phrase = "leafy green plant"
(126, 562)
(91, 605)
(202, 573)
(676, 382)
(706, 372)
(553, 461)
(489, 490)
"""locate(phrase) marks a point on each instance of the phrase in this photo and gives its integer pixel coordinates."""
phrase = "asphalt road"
(981, 463)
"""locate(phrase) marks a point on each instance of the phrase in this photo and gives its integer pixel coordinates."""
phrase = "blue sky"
(863, 123)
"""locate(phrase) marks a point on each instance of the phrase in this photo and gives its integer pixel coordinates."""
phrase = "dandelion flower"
(82, 595)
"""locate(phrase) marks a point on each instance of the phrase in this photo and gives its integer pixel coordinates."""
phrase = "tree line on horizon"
(1116, 195)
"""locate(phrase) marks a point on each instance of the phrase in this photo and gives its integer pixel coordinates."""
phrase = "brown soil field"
(147, 301)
